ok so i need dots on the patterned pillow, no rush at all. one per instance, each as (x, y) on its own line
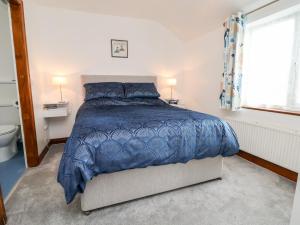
(140, 90)
(104, 90)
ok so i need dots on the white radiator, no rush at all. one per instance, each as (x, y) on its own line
(275, 144)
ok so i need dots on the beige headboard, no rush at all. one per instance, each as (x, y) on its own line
(112, 78)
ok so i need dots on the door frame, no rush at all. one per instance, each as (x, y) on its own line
(3, 218)
(24, 82)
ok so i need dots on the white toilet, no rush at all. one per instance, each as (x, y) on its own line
(8, 141)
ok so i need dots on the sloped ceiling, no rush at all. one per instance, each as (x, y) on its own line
(188, 19)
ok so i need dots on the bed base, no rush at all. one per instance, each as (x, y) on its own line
(110, 189)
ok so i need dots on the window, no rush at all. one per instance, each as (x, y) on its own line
(271, 63)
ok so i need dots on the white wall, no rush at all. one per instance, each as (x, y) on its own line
(74, 43)
(202, 72)
(8, 92)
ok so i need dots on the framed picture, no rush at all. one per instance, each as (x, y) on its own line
(119, 48)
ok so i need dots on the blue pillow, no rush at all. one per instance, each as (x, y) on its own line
(104, 90)
(140, 90)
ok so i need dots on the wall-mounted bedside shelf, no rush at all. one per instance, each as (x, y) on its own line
(54, 110)
(175, 103)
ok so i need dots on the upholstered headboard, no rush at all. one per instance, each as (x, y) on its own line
(112, 78)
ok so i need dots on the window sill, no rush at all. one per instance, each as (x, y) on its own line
(281, 111)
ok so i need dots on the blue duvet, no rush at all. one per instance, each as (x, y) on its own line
(110, 135)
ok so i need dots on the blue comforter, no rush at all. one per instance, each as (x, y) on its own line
(110, 135)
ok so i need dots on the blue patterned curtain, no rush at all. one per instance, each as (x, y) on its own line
(230, 96)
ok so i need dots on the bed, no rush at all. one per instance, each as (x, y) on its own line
(127, 147)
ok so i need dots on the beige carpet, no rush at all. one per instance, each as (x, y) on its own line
(247, 195)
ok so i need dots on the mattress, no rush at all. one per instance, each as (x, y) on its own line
(111, 135)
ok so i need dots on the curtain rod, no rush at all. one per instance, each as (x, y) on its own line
(261, 7)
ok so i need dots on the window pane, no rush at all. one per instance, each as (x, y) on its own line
(268, 61)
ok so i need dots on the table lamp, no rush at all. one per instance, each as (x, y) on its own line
(60, 81)
(172, 83)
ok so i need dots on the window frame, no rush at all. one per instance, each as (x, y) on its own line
(293, 77)
(273, 110)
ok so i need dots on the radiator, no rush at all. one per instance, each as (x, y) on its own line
(273, 143)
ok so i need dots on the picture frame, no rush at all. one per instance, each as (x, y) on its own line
(119, 48)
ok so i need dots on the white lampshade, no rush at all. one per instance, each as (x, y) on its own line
(172, 81)
(59, 80)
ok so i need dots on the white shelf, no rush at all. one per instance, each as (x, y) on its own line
(6, 105)
(9, 104)
(7, 82)
(62, 110)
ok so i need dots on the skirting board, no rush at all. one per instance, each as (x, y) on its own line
(44, 152)
(291, 175)
(58, 141)
(50, 143)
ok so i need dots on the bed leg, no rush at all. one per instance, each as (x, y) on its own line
(86, 213)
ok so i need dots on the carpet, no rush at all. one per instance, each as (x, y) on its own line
(247, 195)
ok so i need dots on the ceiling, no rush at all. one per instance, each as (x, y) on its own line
(188, 19)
